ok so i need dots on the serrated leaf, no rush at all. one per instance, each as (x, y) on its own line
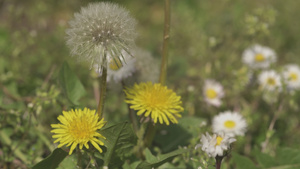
(159, 160)
(52, 161)
(242, 162)
(119, 141)
(71, 85)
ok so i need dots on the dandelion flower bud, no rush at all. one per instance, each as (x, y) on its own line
(101, 29)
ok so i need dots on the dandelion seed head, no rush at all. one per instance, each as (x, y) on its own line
(98, 29)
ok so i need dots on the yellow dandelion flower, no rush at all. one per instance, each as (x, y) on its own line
(78, 127)
(162, 103)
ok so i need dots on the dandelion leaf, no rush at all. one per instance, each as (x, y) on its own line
(155, 161)
(119, 141)
(52, 161)
(71, 85)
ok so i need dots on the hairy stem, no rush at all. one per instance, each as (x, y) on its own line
(150, 133)
(164, 62)
(102, 89)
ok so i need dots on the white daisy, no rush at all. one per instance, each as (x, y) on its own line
(291, 75)
(229, 122)
(213, 92)
(258, 56)
(216, 144)
(269, 80)
(119, 69)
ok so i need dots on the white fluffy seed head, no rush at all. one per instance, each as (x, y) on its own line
(101, 29)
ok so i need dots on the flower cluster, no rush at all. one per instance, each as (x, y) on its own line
(258, 56)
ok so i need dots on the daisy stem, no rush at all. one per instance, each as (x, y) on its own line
(102, 89)
(218, 162)
(164, 62)
(271, 126)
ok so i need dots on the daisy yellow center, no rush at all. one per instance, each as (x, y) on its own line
(259, 57)
(115, 64)
(219, 140)
(229, 124)
(293, 76)
(271, 81)
(211, 93)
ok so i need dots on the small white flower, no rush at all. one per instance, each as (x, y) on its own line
(213, 92)
(216, 144)
(119, 69)
(269, 80)
(258, 56)
(229, 122)
(291, 75)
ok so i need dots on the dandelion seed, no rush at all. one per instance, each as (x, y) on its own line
(101, 29)
(156, 101)
(78, 127)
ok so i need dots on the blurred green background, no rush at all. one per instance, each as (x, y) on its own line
(207, 40)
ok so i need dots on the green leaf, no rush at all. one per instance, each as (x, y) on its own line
(119, 141)
(71, 85)
(178, 134)
(263, 159)
(242, 162)
(153, 162)
(288, 156)
(52, 161)
(68, 162)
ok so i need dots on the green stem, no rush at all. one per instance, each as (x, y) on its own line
(218, 162)
(150, 133)
(79, 158)
(102, 89)
(164, 63)
(132, 115)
